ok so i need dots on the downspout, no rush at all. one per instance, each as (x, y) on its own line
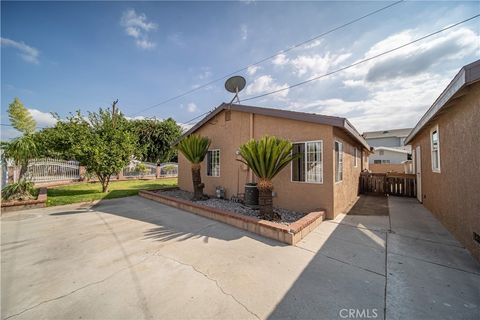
(251, 134)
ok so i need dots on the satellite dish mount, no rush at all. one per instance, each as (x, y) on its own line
(235, 84)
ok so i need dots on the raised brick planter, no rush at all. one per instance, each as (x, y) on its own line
(40, 202)
(289, 234)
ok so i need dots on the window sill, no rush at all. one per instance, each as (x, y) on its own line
(306, 182)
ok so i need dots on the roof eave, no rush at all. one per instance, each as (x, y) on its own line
(467, 75)
(328, 120)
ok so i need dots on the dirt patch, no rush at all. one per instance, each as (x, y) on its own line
(370, 206)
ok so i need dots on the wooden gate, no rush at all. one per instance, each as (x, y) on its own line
(397, 184)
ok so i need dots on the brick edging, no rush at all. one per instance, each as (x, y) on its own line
(289, 234)
(40, 202)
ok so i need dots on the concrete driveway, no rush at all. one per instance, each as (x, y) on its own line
(133, 258)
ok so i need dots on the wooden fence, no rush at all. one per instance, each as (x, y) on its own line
(397, 184)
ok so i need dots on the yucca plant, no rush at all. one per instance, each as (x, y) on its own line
(195, 148)
(266, 158)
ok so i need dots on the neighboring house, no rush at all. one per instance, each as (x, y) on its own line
(326, 177)
(446, 144)
(389, 153)
(384, 159)
(388, 138)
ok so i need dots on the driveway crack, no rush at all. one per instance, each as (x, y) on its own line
(76, 290)
(213, 280)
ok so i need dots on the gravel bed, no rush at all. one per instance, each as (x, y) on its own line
(287, 216)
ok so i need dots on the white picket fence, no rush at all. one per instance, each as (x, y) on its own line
(47, 169)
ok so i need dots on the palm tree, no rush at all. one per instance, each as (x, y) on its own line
(194, 148)
(21, 150)
(266, 158)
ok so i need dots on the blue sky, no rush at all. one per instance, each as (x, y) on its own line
(64, 56)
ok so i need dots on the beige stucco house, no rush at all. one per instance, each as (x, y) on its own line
(446, 155)
(326, 177)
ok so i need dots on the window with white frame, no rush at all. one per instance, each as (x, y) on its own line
(355, 157)
(308, 167)
(213, 163)
(338, 161)
(435, 147)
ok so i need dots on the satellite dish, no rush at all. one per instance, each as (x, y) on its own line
(235, 84)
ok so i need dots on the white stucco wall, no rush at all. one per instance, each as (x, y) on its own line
(394, 157)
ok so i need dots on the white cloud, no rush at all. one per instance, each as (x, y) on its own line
(315, 64)
(394, 104)
(244, 31)
(395, 90)
(264, 84)
(417, 58)
(137, 26)
(313, 44)
(43, 119)
(280, 60)
(252, 70)
(135, 118)
(28, 53)
(145, 44)
(185, 126)
(192, 107)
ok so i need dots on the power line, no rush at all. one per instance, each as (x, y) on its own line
(361, 61)
(10, 125)
(270, 57)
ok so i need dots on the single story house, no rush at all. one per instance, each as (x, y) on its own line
(446, 157)
(326, 177)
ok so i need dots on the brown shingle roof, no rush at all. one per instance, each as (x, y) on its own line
(338, 122)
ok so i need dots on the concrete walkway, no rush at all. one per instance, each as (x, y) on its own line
(133, 258)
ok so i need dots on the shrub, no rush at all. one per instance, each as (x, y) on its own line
(21, 190)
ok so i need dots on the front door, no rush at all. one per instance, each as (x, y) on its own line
(418, 172)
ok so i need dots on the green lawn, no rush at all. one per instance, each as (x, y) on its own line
(82, 192)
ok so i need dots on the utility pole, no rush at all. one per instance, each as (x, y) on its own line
(114, 109)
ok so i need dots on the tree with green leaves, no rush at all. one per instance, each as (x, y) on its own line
(23, 148)
(156, 138)
(58, 141)
(195, 148)
(103, 142)
(20, 118)
(266, 158)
